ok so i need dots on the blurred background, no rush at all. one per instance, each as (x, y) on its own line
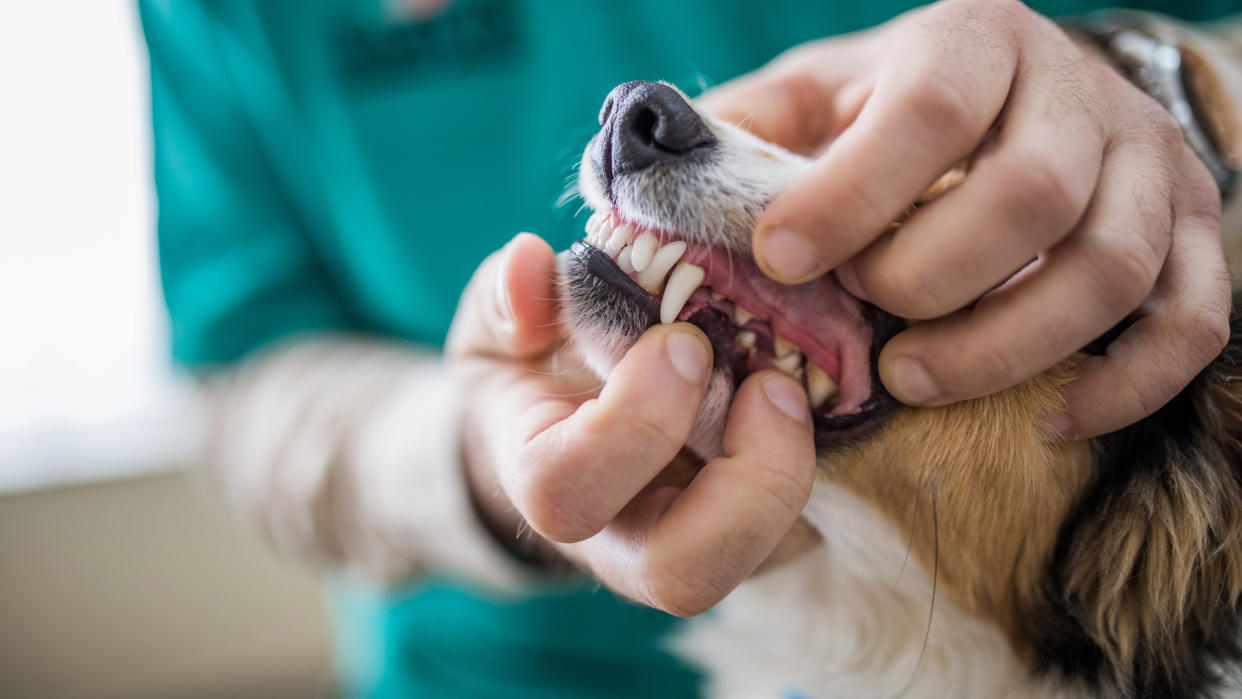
(117, 577)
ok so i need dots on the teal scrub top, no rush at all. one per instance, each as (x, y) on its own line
(325, 164)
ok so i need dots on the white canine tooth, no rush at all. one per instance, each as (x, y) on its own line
(741, 316)
(747, 338)
(784, 347)
(683, 282)
(623, 259)
(644, 248)
(620, 236)
(819, 385)
(788, 363)
(652, 277)
(718, 296)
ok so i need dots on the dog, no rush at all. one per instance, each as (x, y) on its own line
(967, 551)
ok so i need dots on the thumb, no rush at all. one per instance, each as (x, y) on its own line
(509, 308)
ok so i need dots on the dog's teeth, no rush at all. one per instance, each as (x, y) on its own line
(718, 296)
(620, 236)
(819, 385)
(602, 233)
(741, 316)
(644, 248)
(652, 277)
(783, 346)
(623, 259)
(683, 282)
(592, 224)
(788, 363)
(747, 338)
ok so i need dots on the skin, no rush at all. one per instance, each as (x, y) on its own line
(1074, 166)
(1071, 165)
(599, 471)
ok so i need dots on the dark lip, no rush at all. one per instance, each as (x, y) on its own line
(830, 432)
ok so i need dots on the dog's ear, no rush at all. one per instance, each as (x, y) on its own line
(1142, 597)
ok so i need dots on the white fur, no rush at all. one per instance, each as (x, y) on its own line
(849, 620)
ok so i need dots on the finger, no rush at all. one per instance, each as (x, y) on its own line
(734, 513)
(1079, 289)
(510, 305)
(572, 469)
(801, 100)
(1019, 199)
(1182, 328)
(929, 111)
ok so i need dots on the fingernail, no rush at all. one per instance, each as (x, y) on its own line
(913, 384)
(787, 255)
(786, 394)
(503, 309)
(688, 354)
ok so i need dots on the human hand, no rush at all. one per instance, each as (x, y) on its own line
(1071, 166)
(600, 471)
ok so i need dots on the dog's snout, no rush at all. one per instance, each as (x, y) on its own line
(645, 123)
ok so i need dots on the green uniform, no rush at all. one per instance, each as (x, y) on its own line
(320, 165)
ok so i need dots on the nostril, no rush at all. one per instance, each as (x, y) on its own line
(650, 122)
(644, 126)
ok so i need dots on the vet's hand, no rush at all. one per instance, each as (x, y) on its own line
(600, 470)
(1072, 166)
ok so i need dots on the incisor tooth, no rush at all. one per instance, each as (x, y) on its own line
(652, 278)
(784, 347)
(746, 338)
(644, 248)
(788, 363)
(602, 232)
(683, 282)
(741, 316)
(592, 224)
(819, 385)
(620, 236)
(623, 259)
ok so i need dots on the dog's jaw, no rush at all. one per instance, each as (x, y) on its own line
(709, 202)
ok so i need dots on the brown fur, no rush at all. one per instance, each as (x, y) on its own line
(1117, 561)
(999, 488)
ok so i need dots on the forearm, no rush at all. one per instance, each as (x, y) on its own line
(346, 451)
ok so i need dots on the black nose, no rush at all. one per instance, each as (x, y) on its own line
(645, 123)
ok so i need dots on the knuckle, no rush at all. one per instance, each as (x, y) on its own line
(790, 490)
(1200, 196)
(1048, 187)
(1152, 128)
(1165, 131)
(1207, 330)
(549, 505)
(943, 106)
(908, 290)
(652, 430)
(1123, 274)
(992, 10)
(667, 588)
(1000, 366)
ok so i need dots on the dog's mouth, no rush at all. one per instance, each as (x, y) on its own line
(815, 332)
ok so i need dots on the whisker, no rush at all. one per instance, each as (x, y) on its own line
(931, 610)
(914, 520)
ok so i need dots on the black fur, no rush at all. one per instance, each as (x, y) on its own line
(1187, 438)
